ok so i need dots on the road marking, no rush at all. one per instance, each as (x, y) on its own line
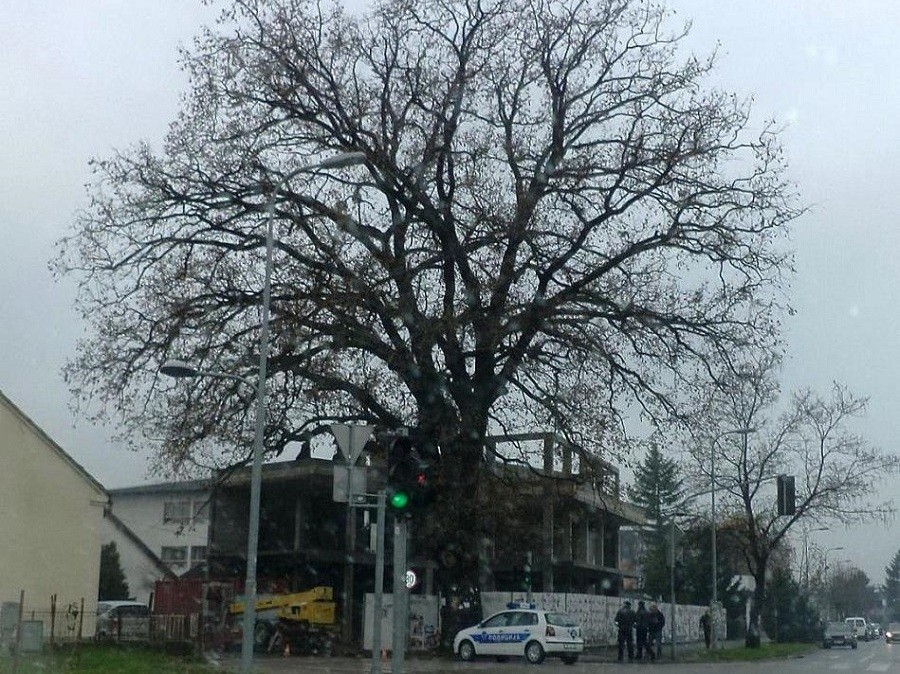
(878, 667)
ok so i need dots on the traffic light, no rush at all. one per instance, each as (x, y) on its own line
(787, 495)
(407, 477)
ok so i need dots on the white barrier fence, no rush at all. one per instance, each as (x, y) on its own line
(596, 614)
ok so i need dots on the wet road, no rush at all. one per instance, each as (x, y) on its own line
(876, 656)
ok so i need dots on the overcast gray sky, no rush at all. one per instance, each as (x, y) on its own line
(81, 78)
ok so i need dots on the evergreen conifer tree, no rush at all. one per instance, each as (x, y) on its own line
(657, 485)
(112, 577)
(892, 587)
(658, 489)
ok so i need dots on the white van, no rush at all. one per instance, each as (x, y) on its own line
(859, 627)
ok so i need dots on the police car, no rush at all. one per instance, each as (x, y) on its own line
(522, 630)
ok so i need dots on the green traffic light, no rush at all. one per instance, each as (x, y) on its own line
(399, 500)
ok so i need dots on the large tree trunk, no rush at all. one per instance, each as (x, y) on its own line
(453, 524)
(757, 601)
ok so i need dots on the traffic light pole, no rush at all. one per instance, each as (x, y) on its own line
(378, 609)
(401, 594)
(672, 586)
(528, 594)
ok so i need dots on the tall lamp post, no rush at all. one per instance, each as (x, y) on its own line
(806, 533)
(825, 555)
(715, 564)
(181, 369)
(825, 572)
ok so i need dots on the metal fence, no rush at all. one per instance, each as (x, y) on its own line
(36, 625)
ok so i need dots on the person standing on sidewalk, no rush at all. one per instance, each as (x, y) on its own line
(640, 627)
(656, 621)
(625, 618)
(706, 626)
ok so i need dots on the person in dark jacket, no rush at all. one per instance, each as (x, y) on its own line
(706, 626)
(640, 628)
(655, 623)
(625, 618)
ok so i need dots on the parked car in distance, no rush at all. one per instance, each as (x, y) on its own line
(892, 633)
(875, 630)
(123, 620)
(860, 627)
(525, 631)
(839, 634)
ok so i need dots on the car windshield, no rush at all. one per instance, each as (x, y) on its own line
(341, 328)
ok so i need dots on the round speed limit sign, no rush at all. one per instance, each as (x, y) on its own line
(411, 579)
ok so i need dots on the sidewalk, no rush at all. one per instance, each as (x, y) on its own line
(610, 653)
(427, 664)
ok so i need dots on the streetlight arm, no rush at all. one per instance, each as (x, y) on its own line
(342, 160)
(179, 369)
(224, 375)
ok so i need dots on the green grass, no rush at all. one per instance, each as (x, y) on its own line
(106, 660)
(770, 651)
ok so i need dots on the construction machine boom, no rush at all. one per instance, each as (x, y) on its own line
(314, 607)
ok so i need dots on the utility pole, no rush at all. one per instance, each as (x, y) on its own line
(349, 598)
(401, 594)
(528, 595)
(672, 584)
(378, 608)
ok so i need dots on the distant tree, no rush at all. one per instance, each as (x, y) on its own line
(850, 592)
(789, 616)
(112, 577)
(892, 586)
(551, 193)
(657, 488)
(696, 570)
(835, 469)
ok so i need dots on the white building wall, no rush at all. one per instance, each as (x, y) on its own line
(141, 571)
(51, 522)
(143, 510)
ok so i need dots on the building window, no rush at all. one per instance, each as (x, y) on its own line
(198, 554)
(177, 511)
(174, 556)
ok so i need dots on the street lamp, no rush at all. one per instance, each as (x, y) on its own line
(806, 533)
(182, 369)
(715, 569)
(825, 556)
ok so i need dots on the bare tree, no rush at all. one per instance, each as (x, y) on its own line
(556, 220)
(812, 439)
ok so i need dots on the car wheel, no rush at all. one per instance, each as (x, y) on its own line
(852, 645)
(534, 652)
(466, 651)
(569, 659)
